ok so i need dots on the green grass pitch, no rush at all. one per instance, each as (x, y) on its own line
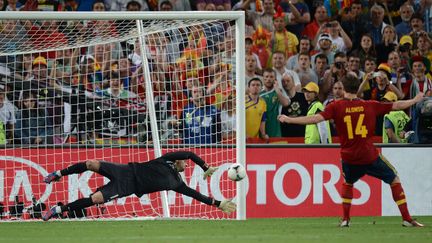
(363, 229)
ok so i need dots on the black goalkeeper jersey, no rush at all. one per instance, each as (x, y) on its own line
(160, 174)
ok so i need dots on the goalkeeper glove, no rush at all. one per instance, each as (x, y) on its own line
(227, 206)
(209, 172)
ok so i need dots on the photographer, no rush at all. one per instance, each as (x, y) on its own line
(337, 71)
(376, 84)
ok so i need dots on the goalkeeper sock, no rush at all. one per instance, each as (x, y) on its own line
(78, 204)
(74, 169)
(347, 195)
(399, 197)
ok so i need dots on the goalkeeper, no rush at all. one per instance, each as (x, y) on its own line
(159, 174)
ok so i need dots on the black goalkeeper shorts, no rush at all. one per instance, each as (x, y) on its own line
(122, 181)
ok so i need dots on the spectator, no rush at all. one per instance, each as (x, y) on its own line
(256, 109)
(417, 26)
(115, 89)
(297, 107)
(320, 18)
(228, 119)
(279, 66)
(394, 122)
(338, 94)
(91, 76)
(298, 15)
(2, 5)
(420, 83)
(405, 49)
(7, 119)
(175, 5)
(70, 5)
(64, 65)
(251, 68)
(406, 12)
(320, 66)
(340, 40)
(221, 87)
(260, 46)
(305, 46)
(354, 65)
(381, 84)
(275, 99)
(337, 71)
(304, 70)
(325, 44)
(283, 40)
(387, 45)
(369, 66)
(376, 25)
(200, 122)
(315, 133)
(251, 50)
(264, 19)
(165, 115)
(166, 6)
(133, 6)
(84, 5)
(399, 74)
(353, 21)
(13, 5)
(366, 49)
(368, 78)
(425, 8)
(201, 4)
(121, 5)
(32, 123)
(424, 44)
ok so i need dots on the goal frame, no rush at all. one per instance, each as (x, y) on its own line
(237, 16)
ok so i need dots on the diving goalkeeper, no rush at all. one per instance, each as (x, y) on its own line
(159, 174)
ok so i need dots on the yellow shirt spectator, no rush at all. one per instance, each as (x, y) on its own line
(255, 114)
(285, 42)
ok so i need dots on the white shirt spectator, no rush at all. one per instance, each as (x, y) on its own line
(7, 113)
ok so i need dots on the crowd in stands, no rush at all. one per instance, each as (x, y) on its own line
(296, 54)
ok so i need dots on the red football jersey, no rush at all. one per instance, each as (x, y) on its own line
(355, 124)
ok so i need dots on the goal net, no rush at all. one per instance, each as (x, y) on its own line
(121, 88)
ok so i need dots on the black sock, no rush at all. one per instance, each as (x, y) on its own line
(74, 169)
(78, 204)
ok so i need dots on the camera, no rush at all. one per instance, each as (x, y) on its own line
(404, 48)
(339, 65)
(376, 74)
(328, 25)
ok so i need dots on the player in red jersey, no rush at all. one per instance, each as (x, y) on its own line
(355, 123)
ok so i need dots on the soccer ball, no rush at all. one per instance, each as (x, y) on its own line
(236, 172)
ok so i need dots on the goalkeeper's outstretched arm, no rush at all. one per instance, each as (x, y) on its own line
(225, 205)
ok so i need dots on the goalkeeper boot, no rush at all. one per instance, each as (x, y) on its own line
(51, 213)
(412, 223)
(51, 177)
(345, 223)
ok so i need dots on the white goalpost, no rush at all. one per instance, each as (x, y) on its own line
(121, 87)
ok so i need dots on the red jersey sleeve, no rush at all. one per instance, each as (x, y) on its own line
(382, 108)
(328, 112)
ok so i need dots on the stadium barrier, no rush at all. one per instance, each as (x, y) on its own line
(292, 181)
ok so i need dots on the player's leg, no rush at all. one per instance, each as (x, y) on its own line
(382, 169)
(77, 168)
(351, 173)
(82, 203)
